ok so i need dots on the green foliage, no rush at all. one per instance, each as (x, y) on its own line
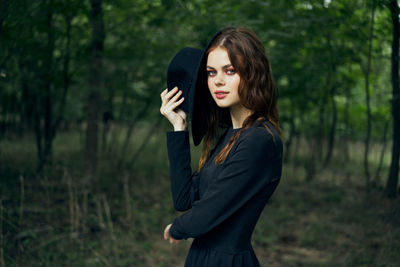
(313, 45)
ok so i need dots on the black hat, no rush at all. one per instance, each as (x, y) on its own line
(187, 70)
(182, 72)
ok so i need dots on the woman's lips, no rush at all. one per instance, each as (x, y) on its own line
(220, 94)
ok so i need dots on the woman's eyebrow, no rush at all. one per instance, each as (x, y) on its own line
(223, 67)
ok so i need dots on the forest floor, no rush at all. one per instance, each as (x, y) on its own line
(329, 221)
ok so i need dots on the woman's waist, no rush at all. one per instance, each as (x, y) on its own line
(223, 244)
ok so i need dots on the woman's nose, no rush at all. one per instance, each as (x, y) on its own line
(219, 80)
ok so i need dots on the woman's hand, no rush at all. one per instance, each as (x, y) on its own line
(176, 116)
(168, 236)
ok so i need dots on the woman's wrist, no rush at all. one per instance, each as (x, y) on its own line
(181, 127)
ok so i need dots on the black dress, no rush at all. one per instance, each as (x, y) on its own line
(223, 201)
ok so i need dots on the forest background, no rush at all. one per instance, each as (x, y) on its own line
(84, 177)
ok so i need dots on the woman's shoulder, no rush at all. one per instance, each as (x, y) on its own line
(261, 135)
(261, 131)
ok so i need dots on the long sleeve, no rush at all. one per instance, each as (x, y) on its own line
(184, 184)
(253, 166)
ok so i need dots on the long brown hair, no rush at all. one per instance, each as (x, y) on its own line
(257, 90)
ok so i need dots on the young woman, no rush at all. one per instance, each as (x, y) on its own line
(226, 195)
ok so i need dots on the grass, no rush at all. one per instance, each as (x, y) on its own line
(328, 221)
(325, 224)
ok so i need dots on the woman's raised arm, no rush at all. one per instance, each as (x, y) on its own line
(184, 184)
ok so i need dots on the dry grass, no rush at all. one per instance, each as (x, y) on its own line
(326, 222)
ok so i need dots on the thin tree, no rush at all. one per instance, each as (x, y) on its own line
(391, 186)
(48, 85)
(95, 87)
(46, 103)
(3, 12)
(367, 72)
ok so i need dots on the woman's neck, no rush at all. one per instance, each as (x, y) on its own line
(238, 114)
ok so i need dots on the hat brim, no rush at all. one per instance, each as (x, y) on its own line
(203, 103)
(182, 73)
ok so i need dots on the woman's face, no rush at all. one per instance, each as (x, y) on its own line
(223, 80)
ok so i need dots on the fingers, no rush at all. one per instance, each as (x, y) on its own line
(164, 92)
(169, 108)
(172, 105)
(168, 237)
(176, 96)
(165, 109)
(165, 95)
(169, 101)
(166, 232)
(174, 102)
(174, 241)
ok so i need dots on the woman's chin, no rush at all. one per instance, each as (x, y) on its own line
(221, 104)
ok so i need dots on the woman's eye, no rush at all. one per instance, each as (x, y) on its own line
(230, 71)
(210, 73)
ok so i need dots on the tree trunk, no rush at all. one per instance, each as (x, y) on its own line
(346, 125)
(311, 163)
(332, 131)
(332, 92)
(3, 12)
(66, 76)
(48, 104)
(107, 118)
(377, 180)
(95, 88)
(391, 186)
(38, 128)
(321, 125)
(292, 131)
(367, 100)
